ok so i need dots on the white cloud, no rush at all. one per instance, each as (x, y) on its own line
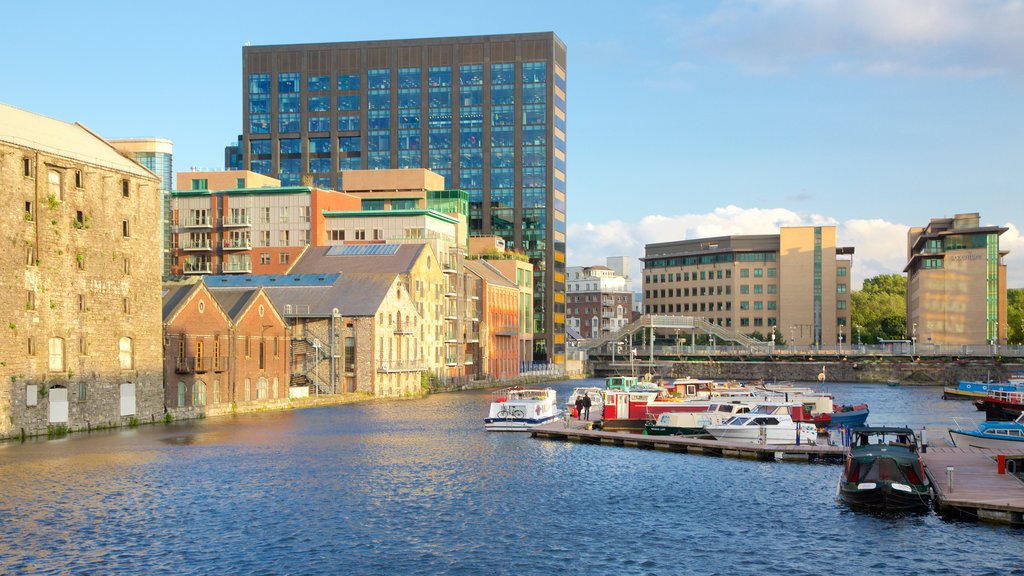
(878, 37)
(880, 246)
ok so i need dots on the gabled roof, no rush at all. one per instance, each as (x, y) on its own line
(234, 301)
(72, 141)
(318, 260)
(174, 296)
(489, 273)
(351, 295)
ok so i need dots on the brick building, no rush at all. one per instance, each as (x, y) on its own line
(79, 280)
(599, 300)
(499, 327)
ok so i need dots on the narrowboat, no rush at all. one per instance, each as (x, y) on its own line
(884, 471)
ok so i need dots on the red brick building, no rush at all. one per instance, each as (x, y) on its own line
(500, 326)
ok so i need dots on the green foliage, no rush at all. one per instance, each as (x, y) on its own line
(493, 254)
(879, 309)
(167, 418)
(52, 201)
(1015, 315)
(56, 430)
(133, 422)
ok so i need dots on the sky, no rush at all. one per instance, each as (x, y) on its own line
(685, 119)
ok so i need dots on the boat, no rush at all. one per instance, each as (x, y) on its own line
(1002, 405)
(884, 471)
(596, 401)
(991, 435)
(514, 409)
(847, 416)
(969, 390)
(693, 423)
(765, 424)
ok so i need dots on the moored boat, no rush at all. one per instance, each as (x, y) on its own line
(1002, 405)
(884, 471)
(765, 424)
(968, 390)
(596, 401)
(848, 416)
(515, 409)
(991, 435)
(691, 423)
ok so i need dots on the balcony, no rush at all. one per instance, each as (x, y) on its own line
(201, 364)
(451, 361)
(451, 338)
(390, 366)
(196, 267)
(237, 244)
(236, 221)
(196, 246)
(196, 222)
(403, 329)
(237, 266)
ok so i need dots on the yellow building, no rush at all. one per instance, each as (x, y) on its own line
(794, 284)
(956, 282)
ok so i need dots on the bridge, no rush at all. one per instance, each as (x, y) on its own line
(649, 326)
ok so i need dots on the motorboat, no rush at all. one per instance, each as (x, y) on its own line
(515, 409)
(765, 424)
(596, 401)
(969, 390)
(884, 471)
(847, 416)
(692, 423)
(1002, 405)
(992, 435)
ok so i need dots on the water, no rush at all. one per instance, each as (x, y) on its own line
(418, 487)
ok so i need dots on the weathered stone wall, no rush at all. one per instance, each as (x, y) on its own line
(73, 276)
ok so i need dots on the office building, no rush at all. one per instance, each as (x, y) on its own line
(956, 283)
(157, 155)
(487, 113)
(79, 279)
(795, 284)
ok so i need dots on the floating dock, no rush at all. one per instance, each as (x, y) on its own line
(577, 432)
(977, 490)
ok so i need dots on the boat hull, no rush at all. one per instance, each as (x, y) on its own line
(516, 424)
(883, 496)
(752, 434)
(849, 418)
(675, 430)
(963, 438)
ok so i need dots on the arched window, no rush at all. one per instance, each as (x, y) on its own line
(261, 389)
(199, 394)
(181, 394)
(126, 353)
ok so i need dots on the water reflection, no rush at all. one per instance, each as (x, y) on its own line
(417, 486)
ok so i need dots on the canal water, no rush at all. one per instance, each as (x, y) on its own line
(418, 487)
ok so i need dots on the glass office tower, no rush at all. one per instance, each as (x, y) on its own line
(156, 154)
(486, 112)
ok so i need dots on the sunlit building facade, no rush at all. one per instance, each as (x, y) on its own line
(156, 154)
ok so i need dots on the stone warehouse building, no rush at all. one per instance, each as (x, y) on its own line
(79, 280)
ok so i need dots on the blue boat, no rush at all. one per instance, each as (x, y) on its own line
(969, 390)
(992, 435)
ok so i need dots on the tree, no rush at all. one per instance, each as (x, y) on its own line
(879, 309)
(1015, 315)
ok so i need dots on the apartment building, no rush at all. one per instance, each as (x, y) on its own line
(599, 300)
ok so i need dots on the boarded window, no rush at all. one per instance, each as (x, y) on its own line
(32, 395)
(126, 353)
(58, 405)
(128, 398)
(56, 354)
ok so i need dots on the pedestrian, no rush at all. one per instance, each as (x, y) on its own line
(579, 406)
(586, 406)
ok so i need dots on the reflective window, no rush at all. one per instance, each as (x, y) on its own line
(260, 166)
(502, 136)
(534, 72)
(502, 116)
(348, 82)
(321, 182)
(534, 156)
(471, 158)
(319, 124)
(534, 93)
(471, 179)
(533, 178)
(501, 198)
(440, 118)
(502, 178)
(440, 97)
(288, 82)
(377, 100)
(471, 116)
(319, 165)
(408, 77)
(378, 120)
(439, 159)
(408, 139)
(471, 96)
(408, 158)
(259, 83)
(348, 123)
(379, 161)
(534, 135)
(378, 140)
(290, 146)
(439, 138)
(348, 144)
(534, 197)
(503, 95)
(320, 146)
(409, 118)
(260, 148)
(318, 83)
(291, 166)
(288, 103)
(319, 104)
(349, 163)
(502, 73)
(439, 76)
(471, 137)
(259, 124)
(409, 98)
(350, 102)
(378, 79)
(533, 114)
(288, 123)
(259, 104)
(471, 75)
(502, 157)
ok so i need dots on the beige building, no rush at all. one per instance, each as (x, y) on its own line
(79, 280)
(795, 284)
(956, 282)
(157, 155)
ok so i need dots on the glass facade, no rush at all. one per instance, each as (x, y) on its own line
(161, 164)
(494, 130)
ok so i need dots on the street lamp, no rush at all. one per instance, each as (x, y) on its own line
(857, 327)
(913, 339)
(792, 335)
(772, 349)
(677, 341)
(840, 338)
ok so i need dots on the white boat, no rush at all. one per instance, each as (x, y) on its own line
(993, 435)
(514, 409)
(596, 401)
(765, 424)
(690, 423)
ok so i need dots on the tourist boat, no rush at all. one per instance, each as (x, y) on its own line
(967, 390)
(765, 424)
(692, 423)
(620, 382)
(515, 408)
(1002, 405)
(596, 401)
(884, 471)
(995, 435)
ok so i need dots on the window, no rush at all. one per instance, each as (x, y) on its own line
(30, 304)
(125, 229)
(841, 288)
(841, 271)
(127, 266)
(360, 234)
(265, 256)
(200, 184)
(745, 273)
(124, 188)
(262, 357)
(284, 258)
(199, 394)
(56, 190)
(378, 234)
(28, 166)
(30, 212)
(840, 304)
(181, 394)
(78, 178)
(82, 392)
(56, 355)
(31, 346)
(127, 305)
(126, 353)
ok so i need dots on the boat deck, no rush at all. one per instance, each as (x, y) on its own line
(576, 431)
(977, 491)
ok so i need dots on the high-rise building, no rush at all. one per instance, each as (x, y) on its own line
(156, 154)
(795, 284)
(486, 112)
(956, 283)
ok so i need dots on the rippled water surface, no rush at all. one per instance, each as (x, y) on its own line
(418, 487)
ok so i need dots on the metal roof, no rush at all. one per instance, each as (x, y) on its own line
(350, 295)
(265, 280)
(363, 250)
(318, 260)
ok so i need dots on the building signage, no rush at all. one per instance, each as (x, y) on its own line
(960, 257)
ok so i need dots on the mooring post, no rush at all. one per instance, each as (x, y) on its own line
(949, 477)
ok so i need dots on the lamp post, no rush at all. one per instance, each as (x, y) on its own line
(913, 339)
(772, 348)
(840, 338)
(677, 341)
(857, 327)
(792, 335)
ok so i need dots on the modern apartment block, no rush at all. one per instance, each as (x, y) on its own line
(156, 154)
(79, 280)
(499, 326)
(599, 299)
(239, 222)
(487, 113)
(795, 284)
(956, 282)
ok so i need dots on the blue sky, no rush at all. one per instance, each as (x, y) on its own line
(686, 119)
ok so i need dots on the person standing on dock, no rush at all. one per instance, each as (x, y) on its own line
(586, 407)
(579, 406)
